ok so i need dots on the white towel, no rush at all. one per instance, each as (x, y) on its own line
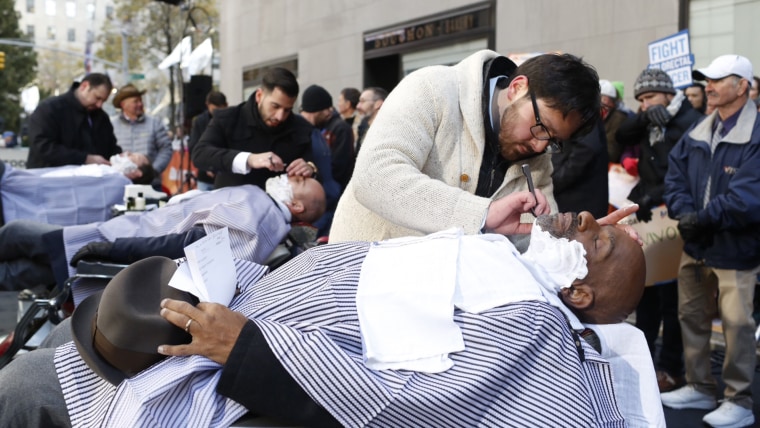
(404, 303)
(490, 274)
(408, 288)
(633, 376)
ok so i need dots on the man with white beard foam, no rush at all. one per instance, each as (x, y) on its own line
(290, 345)
(34, 253)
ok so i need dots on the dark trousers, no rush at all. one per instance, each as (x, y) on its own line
(659, 305)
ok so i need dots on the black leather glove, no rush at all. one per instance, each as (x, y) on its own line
(92, 251)
(658, 115)
(644, 214)
(692, 231)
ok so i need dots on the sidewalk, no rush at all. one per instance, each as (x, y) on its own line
(693, 418)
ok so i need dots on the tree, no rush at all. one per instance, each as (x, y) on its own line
(20, 63)
(57, 70)
(153, 28)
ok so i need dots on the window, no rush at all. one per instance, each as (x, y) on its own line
(109, 12)
(71, 35)
(30, 6)
(71, 9)
(51, 33)
(50, 7)
(90, 10)
(30, 31)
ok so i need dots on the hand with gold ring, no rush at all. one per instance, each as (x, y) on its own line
(215, 328)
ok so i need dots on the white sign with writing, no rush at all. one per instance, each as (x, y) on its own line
(662, 242)
(673, 56)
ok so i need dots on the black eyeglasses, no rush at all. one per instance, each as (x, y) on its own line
(539, 131)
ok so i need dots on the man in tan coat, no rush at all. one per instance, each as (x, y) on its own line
(449, 142)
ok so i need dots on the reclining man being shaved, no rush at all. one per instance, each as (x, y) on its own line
(34, 253)
(314, 341)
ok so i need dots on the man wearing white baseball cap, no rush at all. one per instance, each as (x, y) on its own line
(724, 66)
(711, 189)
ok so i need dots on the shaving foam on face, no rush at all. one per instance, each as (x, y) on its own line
(562, 259)
(279, 188)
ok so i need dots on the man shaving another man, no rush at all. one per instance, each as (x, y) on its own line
(301, 328)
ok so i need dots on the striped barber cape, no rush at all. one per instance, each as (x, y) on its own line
(520, 367)
(256, 226)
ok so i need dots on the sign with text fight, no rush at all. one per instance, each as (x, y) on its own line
(673, 56)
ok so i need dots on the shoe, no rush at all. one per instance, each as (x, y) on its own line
(729, 415)
(687, 397)
(667, 383)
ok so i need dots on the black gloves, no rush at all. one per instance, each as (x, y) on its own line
(692, 231)
(93, 251)
(658, 115)
(644, 214)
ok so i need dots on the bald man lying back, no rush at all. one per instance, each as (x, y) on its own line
(291, 344)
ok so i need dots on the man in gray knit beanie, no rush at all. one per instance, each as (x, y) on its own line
(653, 80)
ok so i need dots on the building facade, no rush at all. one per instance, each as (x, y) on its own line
(68, 26)
(361, 43)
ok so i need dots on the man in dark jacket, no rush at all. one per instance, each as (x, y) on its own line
(260, 138)
(664, 116)
(317, 108)
(214, 100)
(580, 174)
(712, 189)
(73, 129)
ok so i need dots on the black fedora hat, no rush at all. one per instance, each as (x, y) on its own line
(118, 330)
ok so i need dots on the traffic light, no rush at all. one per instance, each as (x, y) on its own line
(2, 60)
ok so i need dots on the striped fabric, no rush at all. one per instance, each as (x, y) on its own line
(256, 225)
(520, 367)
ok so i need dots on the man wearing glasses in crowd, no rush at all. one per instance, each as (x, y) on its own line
(450, 141)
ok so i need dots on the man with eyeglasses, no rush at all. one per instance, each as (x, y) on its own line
(449, 143)
(712, 189)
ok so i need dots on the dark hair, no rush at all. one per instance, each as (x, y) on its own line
(216, 98)
(380, 93)
(148, 174)
(351, 95)
(565, 83)
(282, 78)
(701, 87)
(98, 79)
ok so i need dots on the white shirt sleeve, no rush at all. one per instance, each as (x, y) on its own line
(240, 163)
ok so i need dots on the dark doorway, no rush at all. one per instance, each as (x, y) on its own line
(384, 71)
